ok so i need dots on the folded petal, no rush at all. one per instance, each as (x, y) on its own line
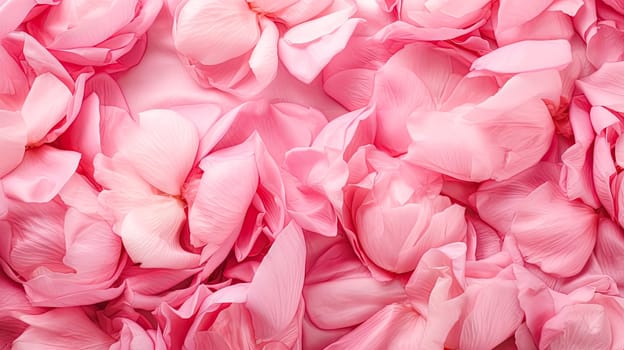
(580, 326)
(512, 13)
(163, 149)
(549, 238)
(215, 31)
(150, 235)
(12, 140)
(41, 175)
(270, 6)
(225, 192)
(46, 104)
(523, 56)
(604, 86)
(394, 327)
(63, 328)
(305, 51)
(281, 126)
(348, 302)
(494, 316)
(275, 292)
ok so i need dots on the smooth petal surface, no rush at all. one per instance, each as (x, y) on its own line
(163, 149)
(233, 30)
(41, 174)
(12, 140)
(222, 198)
(150, 235)
(275, 292)
(523, 57)
(551, 241)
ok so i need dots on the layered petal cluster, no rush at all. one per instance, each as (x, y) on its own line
(247, 39)
(104, 34)
(311, 174)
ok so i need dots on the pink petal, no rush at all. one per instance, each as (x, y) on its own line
(62, 329)
(12, 13)
(281, 126)
(275, 292)
(215, 31)
(301, 10)
(395, 327)
(163, 149)
(512, 13)
(604, 87)
(580, 326)
(271, 6)
(340, 292)
(493, 317)
(12, 140)
(35, 241)
(225, 192)
(522, 57)
(307, 48)
(66, 24)
(550, 240)
(352, 88)
(609, 249)
(150, 235)
(46, 104)
(41, 175)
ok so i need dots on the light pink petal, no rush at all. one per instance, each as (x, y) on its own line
(397, 92)
(348, 132)
(163, 149)
(46, 104)
(12, 140)
(63, 328)
(494, 316)
(312, 184)
(263, 61)
(301, 10)
(225, 192)
(275, 292)
(305, 60)
(512, 13)
(150, 235)
(132, 336)
(577, 178)
(550, 239)
(609, 249)
(581, 326)
(12, 13)
(270, 6)
(66, 24)
(281, 126)
(605, 86)
(35, 241)
(394, 327)
(41, 175)
(523, 56)
(340, 303)
(500, 137)
(605, 45)
(405, 32)
(352, 88)
(215, 31)
(497, 202)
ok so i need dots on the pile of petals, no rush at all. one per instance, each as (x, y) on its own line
(312, 174)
